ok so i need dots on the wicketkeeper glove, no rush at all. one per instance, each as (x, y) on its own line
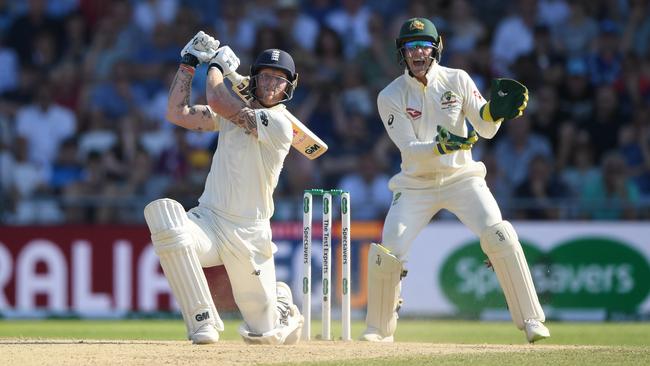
(508, 99)
(447, 142)
(200, 49)
(225, 60)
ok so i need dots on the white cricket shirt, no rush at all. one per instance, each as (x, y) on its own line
(245, 169)
(411, 113)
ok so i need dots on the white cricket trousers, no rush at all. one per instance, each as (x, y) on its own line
(411, 210)
(246, 250)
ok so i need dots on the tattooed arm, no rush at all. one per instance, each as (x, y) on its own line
(227, 105)
(179, 112)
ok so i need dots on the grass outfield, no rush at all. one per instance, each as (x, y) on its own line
(420, 342)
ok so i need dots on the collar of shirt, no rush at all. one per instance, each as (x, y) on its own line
(431, 75)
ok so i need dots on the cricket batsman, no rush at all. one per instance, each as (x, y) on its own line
(230, 226)
(424, 112)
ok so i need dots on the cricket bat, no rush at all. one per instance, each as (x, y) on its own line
(305, 141)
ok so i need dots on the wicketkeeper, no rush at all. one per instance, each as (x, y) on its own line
(230, 226)
(424, 113)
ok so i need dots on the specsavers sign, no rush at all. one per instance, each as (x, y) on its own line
(589, 271)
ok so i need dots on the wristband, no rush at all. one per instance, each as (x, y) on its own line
(214, 64)
(190, 60)
(187, 68)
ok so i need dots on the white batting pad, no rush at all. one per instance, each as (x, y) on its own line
(172, 242)
(384, 278)
(501, 244)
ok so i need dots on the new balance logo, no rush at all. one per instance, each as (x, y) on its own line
(202, 316)
(264, 118)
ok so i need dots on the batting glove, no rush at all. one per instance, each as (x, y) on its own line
(447, 142)
(508, 99)
(225, 60)
(200, 49)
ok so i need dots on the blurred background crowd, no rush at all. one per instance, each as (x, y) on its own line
(83, 93)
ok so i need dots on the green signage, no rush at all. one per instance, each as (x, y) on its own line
(583, 273)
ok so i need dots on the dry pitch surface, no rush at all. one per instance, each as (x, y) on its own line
(95, 352)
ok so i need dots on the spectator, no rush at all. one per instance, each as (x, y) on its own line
(148, 14)
(234, 29)
(581, 168)
(612, 195)
(99, 136)
(497, 181)
(369, 187)
(44, 125)
(7, 15)
(545, 115)
(77, 40)
(513, 36)
(604, 124)
(547, 59)
(576, 97)
(118, 96)
(295, 25)
(553, 12)
(515, 152)
(378, 68)
(542, 193)
(637, 30)
(26, 29)
(465, 30)
(68, 84)
(67, 168)
(574, 36)
(350, 21)
(634, 146)
(319, 9)
(9, 73)
(605, 63)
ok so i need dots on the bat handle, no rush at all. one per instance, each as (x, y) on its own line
(235, 78)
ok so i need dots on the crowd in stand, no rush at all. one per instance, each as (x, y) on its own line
(83, 93)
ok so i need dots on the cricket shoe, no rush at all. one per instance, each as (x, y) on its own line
(290, 316)
(372, 335)
(207, 334)
(535, 330)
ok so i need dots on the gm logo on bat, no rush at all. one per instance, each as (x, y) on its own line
(312, 149)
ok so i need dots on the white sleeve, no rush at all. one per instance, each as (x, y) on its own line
(273, 129)
(400, 130)
(472, 103)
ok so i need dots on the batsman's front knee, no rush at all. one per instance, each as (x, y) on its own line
(167, 222)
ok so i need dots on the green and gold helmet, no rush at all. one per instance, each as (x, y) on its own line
(418, 29)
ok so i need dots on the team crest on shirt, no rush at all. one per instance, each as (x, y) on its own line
(413, 113)
(449, 100)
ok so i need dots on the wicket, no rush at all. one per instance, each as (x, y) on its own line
(326, 275)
